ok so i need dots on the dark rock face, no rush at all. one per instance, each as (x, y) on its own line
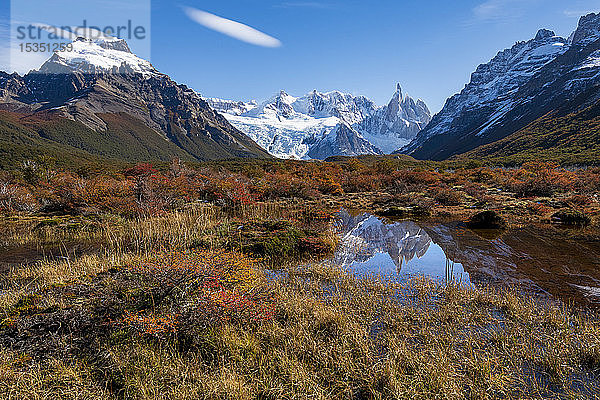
(571, 218)
(517, 87)
(12, 89)
(405, 212)
(173, 111)
(588, 30)
(346, 141)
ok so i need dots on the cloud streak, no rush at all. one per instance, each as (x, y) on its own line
(231, 28)
(577, 14)
(501, 10)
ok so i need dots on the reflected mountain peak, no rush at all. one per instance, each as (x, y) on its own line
(370, 245)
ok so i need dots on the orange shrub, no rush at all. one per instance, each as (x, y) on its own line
(537, 179)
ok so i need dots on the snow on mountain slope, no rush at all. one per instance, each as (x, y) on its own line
(520, 85)
(281, 137)
(136, 111)
(341, 141)
(230, 106)
(396, 124)
(488, 96)
(593, 61)
(319, 125)
(98, 55)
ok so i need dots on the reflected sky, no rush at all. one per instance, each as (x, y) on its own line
(370, 245)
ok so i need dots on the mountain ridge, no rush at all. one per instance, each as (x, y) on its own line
(515, 88)
(103, 77)
(293, 127)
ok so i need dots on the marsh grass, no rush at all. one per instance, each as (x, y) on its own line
(330, 335)
(145, 233)
(335, 336)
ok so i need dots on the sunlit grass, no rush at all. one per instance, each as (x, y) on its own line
(151, 315)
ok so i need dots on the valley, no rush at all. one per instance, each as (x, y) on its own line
(159, 244)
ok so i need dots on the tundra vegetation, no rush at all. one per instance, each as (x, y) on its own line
(205, 281)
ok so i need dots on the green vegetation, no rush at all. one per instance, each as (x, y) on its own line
(72, 145)
(572, 139)
(206, 281)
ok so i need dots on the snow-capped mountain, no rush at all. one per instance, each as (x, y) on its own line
(115, 104)
(90, 56)
(518, 86)
(588, 30)
(342, 140)
(395, 124)
(319, 125)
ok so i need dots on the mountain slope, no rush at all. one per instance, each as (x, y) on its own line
(396, 123)
(517, 87)
(305, 127)
(125, 104)
(567, 139)
(24, 136)
(342, 140)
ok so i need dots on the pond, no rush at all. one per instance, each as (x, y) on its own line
(29, 254)
(539, 259)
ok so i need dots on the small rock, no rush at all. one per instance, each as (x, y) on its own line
(571, 218)
(486, 220)
(405, 212)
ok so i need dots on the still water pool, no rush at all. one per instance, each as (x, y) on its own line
(543, 260)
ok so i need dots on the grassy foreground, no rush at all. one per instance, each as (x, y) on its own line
(180, 306)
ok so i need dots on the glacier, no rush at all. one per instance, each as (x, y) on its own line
(319, 125)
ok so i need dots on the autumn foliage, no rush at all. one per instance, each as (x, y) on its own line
(144, 190)
(194, 290)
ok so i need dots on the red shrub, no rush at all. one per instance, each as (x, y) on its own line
(142, 169)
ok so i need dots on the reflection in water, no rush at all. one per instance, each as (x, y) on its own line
(539, 259)
(368, 245)
(536, 259)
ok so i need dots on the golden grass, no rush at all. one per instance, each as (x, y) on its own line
(350, 339)
(333, 336)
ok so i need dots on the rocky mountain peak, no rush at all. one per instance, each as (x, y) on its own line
(113, 44)
(140, 113)
(319, 125)
(517, 86)
(397, 98)
(544, 34)
(97, 56)
(588, 30)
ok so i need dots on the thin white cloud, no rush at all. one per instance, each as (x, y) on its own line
(577, 14)
(231, 28)
(501, 10)
(487, 10)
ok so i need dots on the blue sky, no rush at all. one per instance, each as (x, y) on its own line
(362, 47)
